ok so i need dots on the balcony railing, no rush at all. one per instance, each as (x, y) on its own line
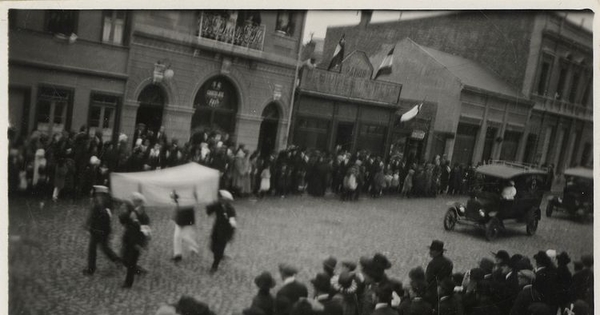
(562, 107)
(220, 29)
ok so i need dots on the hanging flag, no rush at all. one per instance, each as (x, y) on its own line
(338, 54)
(386, 64)
(412, 113)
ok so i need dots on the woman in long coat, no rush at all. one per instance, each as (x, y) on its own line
(238, 171)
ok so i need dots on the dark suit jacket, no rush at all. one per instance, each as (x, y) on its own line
(265, 302)
(438, 269)
(288, 295)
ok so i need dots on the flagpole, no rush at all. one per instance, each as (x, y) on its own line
(293, 100)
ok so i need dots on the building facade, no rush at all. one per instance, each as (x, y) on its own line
(189, 71)
(348, 110)
(541, 54)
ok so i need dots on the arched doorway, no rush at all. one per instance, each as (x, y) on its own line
(268, 129)
(152, 102)
(216, 106)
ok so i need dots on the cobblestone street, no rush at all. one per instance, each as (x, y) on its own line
(48, 248)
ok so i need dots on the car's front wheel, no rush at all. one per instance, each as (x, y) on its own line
(450, 220)
(492, 229)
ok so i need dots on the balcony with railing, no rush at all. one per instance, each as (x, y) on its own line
(561, 107)
(218, 28)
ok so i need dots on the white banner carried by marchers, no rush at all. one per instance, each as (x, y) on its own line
(194, 183)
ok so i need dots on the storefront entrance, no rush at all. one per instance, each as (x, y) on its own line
(216, 106)
(464, 144)
(268, 130)
(344, 135)
(150, 113)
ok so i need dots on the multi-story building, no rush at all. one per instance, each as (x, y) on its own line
(544, 56)
(231, 71)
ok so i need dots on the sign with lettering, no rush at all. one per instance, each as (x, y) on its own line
(418, 134)
(357, 65)
(333, 83)
(214, 94)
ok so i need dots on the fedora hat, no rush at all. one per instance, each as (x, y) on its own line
(264, 280)
(330, 262)
(437, 245)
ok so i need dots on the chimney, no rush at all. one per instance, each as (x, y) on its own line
(365, 17)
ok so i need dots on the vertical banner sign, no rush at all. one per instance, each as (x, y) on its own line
(214, 94)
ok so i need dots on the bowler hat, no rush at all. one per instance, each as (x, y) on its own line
(417, 274)
(502, 255)
(321, 282)
(563, 258)
(330, 262)
(437, 245)
(264, 280)
(542, 259)
(287, 269)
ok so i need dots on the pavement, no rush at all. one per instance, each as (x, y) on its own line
(48, 248)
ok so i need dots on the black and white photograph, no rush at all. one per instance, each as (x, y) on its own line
(286, 161)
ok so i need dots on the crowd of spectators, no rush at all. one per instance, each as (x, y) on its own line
(70, 163)
(500, 284)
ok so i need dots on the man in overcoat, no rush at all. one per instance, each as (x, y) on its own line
(290, 292)
(438, 269)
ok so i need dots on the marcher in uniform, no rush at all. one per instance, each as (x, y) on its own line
(98, 225)
(136, 235)
(224, 226)
(184, 229)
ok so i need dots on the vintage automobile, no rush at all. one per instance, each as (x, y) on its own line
(578, 195)
(492, 205)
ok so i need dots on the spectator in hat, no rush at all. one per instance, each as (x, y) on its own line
(468, 289)
(528, 294)
(506, 287)
(184, 234)
(509, 192)
(329, 266)
(438, 269)
(345, 288)
(582, 287)
(223, 228)
(99, 227)
(416, 304)
(135, 238)
(264, 300)
(564, 279)
(383, 297)
(373, 270)
(448, 303)
(291, 291)
(546, 280)
(323, 295)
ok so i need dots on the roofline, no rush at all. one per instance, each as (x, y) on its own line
(522, 99)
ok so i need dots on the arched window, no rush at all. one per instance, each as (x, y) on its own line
(216, 106)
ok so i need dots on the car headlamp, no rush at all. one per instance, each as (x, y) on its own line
(461, 209)
(481, 213)
(559, 200)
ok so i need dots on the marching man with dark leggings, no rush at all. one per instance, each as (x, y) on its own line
(224, 226)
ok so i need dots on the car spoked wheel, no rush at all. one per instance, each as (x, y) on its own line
(492, 229)
(450, 220)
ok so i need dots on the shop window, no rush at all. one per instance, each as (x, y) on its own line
(371, 138)
(51, 110)
(285, 22)
(61, 21)
(311, 133)
(102, 115)
(113, 29)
